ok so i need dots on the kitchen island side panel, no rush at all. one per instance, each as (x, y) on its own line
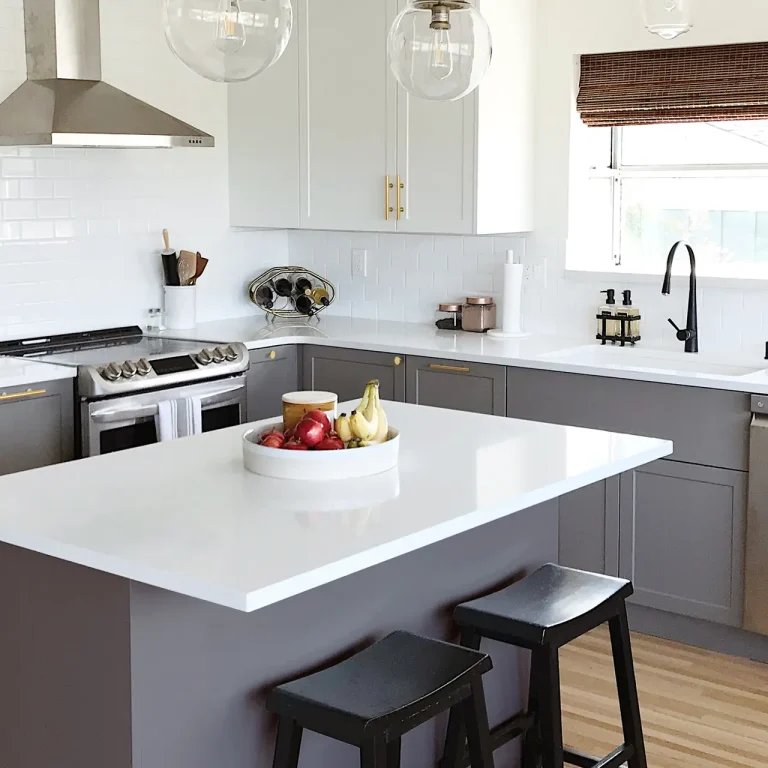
(201, 672)
(65, 680)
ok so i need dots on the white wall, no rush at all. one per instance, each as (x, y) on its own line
(80, 229)
(731, 319)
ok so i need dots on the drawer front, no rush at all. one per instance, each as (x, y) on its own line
(460, 386)
(707, 426)
(347, 371)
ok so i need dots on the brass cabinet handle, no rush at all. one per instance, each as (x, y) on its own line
(398, 361)
(388, 185)
(272, 355)
(19, 395)
(452, 368)
(400, 188)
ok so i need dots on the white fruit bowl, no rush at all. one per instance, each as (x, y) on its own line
(318, 465)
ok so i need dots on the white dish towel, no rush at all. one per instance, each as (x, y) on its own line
(179, 418)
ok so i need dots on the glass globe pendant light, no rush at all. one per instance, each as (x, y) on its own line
(668, 18)
(440, 49)
(228, 40)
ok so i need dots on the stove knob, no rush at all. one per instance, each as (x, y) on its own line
(218, 355)
(112, 372)
(129, 369)
(205, 357)
(144, 367)
(230, 354)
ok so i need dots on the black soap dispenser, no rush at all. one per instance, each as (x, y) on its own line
(607, 310)
(631, 329)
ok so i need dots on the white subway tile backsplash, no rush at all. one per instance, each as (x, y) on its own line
(19, 209)
(17, 168)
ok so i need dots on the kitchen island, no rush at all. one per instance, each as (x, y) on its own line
(150, 598)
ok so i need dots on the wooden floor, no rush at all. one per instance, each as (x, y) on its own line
(700, 709)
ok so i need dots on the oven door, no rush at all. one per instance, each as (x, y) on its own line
(129, 422)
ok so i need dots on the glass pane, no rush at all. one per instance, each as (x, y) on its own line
(696, 144)
(590, 238)
(724, 218)
(596, 144)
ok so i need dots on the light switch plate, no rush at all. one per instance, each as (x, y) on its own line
(359, 262)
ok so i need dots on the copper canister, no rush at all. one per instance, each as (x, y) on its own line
(479, 314)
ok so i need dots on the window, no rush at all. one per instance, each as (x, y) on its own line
(638, 189)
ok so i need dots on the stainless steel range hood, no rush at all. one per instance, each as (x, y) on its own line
(65, 103)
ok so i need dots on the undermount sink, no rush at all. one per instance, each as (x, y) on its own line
(649, 360)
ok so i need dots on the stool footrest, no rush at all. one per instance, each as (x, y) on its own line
(619, 756)
(510, 729)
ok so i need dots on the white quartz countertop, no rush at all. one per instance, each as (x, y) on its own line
(543, 352)
(187, 517)
(21, 373)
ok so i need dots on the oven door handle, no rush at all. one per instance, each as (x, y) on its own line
(109, 415)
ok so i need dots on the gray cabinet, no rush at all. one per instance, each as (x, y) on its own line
(471, 387)
(589, 528)
(708, 426)
(36, 425)
(682, 539)
(347, 371)
(273, 372)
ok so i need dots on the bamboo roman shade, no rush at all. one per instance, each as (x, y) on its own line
(677, 85)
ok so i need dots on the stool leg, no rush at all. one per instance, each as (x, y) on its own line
(393, 754)
(455, 739)
(288, 743)
(475, 718)
(627, 687)
(373, 753)
(549, 712)
(531, 749)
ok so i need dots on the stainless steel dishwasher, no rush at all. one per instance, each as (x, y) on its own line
(756, 576)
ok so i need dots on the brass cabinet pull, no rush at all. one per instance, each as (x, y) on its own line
(272, 355)
(388, 185)
(398, 361)
(452, 368)
(19, 395)
(400, 188)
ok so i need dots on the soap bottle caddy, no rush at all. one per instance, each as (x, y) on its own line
(618, 325)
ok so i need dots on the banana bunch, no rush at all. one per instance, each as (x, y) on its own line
(368, 423)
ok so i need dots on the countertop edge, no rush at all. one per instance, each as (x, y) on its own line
(248, 602)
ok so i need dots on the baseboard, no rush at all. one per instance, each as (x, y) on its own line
(702, 634)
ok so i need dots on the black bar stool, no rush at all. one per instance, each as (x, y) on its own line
(544, 611)
(373, 698)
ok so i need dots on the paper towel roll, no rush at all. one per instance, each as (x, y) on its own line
(512, 302)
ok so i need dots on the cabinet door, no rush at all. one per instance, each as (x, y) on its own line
(273, 372)
(682, 539)
(435, 160)
(347, 100)
(347, 371)
(36, 426)
(470, 387)
(589, 528)
(263, 120)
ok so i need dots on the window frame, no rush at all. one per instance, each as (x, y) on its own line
(617, 172)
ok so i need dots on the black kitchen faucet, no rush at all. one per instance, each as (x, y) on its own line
(689, 334)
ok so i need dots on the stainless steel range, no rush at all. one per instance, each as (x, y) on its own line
(123, 375)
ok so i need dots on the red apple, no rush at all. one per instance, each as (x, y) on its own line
(272, 442)
(290, 434)
(310, 431)
(330, 443)
(322, 417)
(273, 436)
(295, 445)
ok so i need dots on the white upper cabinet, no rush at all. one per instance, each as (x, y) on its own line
(327, 139)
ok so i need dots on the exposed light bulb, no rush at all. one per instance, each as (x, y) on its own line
(441, 61)
(230, 30)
